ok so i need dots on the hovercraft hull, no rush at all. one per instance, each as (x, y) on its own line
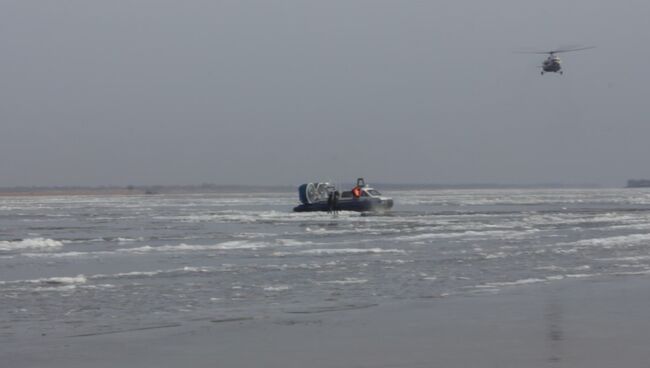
(358, 205)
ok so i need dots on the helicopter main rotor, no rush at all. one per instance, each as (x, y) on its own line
(558, 51)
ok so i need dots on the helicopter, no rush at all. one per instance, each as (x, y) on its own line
(552, 64)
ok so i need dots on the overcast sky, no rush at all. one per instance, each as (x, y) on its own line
(285, 92)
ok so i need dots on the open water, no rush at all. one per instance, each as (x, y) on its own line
(74, 265)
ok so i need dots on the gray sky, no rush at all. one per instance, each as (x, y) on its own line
(285, 92)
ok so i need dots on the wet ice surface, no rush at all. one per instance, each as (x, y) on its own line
(77, 265)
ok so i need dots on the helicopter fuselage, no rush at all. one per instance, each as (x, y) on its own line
(552, 64)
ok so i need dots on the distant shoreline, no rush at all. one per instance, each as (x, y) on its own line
(212, 188)
(4, 192)
(137, 190)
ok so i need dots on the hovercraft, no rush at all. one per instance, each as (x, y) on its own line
(325, 197)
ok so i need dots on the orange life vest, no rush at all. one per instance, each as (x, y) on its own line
(356, 192)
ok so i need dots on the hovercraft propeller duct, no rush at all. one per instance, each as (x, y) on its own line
(314, 192)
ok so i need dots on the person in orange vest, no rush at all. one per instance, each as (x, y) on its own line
(356, 192)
